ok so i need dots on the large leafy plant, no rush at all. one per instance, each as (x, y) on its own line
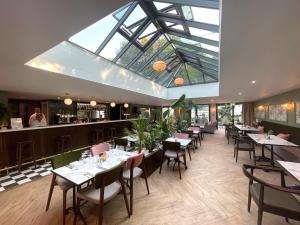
(152, 137)
(139, 128)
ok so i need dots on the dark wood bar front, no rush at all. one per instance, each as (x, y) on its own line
(46, 139)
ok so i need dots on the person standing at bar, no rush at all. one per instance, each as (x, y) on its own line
(37, 119)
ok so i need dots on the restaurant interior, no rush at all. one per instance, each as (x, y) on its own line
(151, 112)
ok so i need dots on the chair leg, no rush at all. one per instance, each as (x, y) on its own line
(184, 160)
(237, 155)
(254, 157)
(50, 191)
(145, 177)
(249, 200)
(125, 196)
(287, 219)
(131, 195)
(188, 148)
(64, 206)
(77, 209)
(179, 169)
(260, 214)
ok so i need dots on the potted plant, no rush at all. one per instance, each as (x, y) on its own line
(152, 138)
(4, 116)
(139, 128)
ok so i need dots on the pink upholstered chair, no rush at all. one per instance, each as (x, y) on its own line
(183, 136)
(260, 129)
(284, 136)
(100, 148)
(133, 171)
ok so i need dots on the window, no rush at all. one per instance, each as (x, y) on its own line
(201, 114)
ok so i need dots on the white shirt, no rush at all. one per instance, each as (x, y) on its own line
(33, 122)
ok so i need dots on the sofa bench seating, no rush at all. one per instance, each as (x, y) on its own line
(285, 153)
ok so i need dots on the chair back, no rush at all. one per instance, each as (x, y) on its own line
(121, 142)
(194, 128)
(171, 146)
(65, 159)
(134, 161)
(100, 148)
(189, 132)
(181, 135)
(107, 177)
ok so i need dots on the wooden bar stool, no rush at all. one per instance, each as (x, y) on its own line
(64, 143)
(25, 152)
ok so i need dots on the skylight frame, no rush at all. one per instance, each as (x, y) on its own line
(205, 60)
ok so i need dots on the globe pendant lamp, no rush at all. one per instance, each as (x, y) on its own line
(159, 66)
(179, 81)
(112, 104)
(93, 103)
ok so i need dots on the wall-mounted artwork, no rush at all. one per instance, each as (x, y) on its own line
(260, 112)
(278, 113)
(297, 112)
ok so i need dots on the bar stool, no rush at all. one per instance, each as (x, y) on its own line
(97, 136)
(64, 143)
(24, 147)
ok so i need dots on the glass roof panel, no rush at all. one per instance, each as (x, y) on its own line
(147, 34)
(128, 56)
(203, 15)
(136, 15)
(114, 46)
(91, 37)
(149, 52)
(204, 34)
(181, 74)
(120, 13)
(196, 76)
(161, 5)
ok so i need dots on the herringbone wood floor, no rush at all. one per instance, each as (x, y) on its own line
(213, 191)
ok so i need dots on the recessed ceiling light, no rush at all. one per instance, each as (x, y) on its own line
(58, 98)
(240, 93)
(211, 100)
(253, 81)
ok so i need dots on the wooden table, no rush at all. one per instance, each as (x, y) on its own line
(292, 168)
(246, 129)
(183, 142)
(273, 140)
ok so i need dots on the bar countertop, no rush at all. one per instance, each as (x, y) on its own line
(63, 125)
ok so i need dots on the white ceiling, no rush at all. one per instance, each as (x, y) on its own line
(259, 41)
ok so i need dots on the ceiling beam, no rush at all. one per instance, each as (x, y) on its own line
(203, 3)
(194, 38)
(179, 20)
(196, 48)
(116, 27)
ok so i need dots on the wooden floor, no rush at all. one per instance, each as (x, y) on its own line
(213, 191)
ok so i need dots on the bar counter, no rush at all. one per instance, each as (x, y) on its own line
(46, 138)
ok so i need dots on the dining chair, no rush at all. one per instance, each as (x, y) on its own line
(133, 171)
(171, 150)
(196, 136)
(107, 184)
(271, 198)
(243, 143)
(57, 162)
(184, 136)
(193, 144)
(123, 142)
(99, 148)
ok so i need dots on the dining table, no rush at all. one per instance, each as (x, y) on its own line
(246, 129)
(292, 168)
(269, 140)
(183, 142)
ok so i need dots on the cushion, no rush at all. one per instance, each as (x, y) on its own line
(93, 195)
(172, 154)
(136, 173)
(284, 136)
(63, 183)
(276, 198)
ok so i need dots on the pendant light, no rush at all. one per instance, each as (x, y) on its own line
(68, 100)
(112, 104)
(159, 66)
(179, 81)
(126, 105)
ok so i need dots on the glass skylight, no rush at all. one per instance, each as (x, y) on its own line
(142, 32)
